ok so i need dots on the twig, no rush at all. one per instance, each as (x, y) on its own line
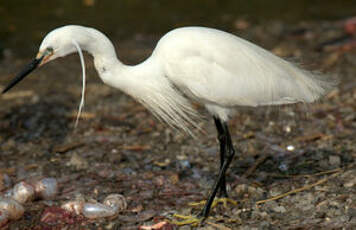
(67, 147)
(15, 95)
(300, 189)
(307, 175)
(259, 161)
(218, 226)
(324, 172)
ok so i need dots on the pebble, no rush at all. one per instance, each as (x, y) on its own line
(184, 164)
(185, 227)
(116, 201)
(97, 210)
(280, 209)
(23, 192)
(283, 167)
(111, 206)
(14, 209)
(4, 217)
(75, 206)
(324, 164)
(244, 190)
(275, 191)
(206, 228)
(271, 205)
(46, 188)
(334, 160)
(78, 162)
(5, 181)
(351, 183)
(307, 207)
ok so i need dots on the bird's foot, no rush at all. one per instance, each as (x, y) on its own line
(222, 200)
(193, 221)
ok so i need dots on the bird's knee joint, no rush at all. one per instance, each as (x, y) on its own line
(230, 152)
(222, 137)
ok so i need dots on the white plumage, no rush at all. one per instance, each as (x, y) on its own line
(215, 68)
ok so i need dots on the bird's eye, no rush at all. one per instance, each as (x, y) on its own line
(49, 50)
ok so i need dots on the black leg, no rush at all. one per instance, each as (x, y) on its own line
(228, 156)
(222, 142)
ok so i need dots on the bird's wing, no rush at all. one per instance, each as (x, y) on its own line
(223, 69)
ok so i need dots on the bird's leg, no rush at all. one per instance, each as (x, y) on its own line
(228, 156)
(222, 142)
(222, 187)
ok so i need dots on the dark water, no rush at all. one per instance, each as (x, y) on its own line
(24, 22)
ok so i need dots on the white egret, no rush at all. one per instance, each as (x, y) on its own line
(217, 69)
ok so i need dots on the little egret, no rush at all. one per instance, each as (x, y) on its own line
(219, 70)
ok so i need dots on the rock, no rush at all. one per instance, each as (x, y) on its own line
(334, 160)
(4, 217)
(23, 192)
(5, 181)
(351, 183)
(208, 227)
(280, 209)
(185, 227)
(74, 206)
(248, 191)
(116, 201)
(271, 205)
(97, 210)
(46, 188)
(78, 162)
(275, 191)
(14, 209)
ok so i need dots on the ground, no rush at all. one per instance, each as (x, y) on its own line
(119, 147)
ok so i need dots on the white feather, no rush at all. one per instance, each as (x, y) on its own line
(215, 68)
(82, 62)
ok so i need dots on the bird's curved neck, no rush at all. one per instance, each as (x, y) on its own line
(100, 47)
(113, 72)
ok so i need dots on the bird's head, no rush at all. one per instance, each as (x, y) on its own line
(57, 43)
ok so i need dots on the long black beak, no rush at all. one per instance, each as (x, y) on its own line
(26, 71)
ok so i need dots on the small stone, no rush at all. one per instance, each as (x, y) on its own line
(287, 129)
(116, 201)
(74, 206)
(271, 205)
(290, 148)
(23, 192)
(97, 210)
(78, 162)
(14, 209)
(206, 228)
(4, 217)
(334, 160)
(275, 191)
(307, 207)
(351, 183)
(280, 209)
(185, 227)
(324, 163)
(110, 225)
(283, 167)
(264, 214)
(46, 188)
(184, 164)
(241, 189)
(5, 181)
